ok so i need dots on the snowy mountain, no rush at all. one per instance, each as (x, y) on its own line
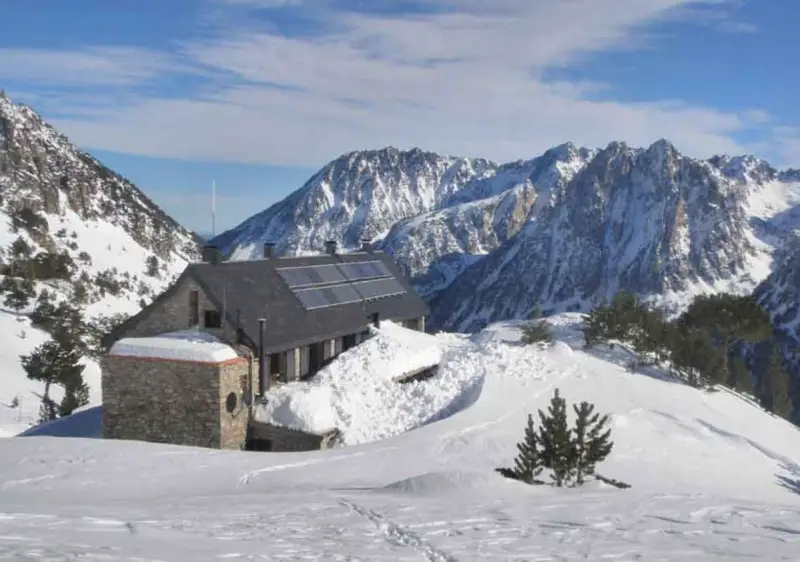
(566, 228)
(649, 221)
(91, 236)
(780, 294)
(359, 195)
(713, 476)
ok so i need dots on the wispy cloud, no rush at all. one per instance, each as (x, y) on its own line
(461, 76)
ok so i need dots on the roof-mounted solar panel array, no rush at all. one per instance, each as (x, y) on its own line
(320, 286)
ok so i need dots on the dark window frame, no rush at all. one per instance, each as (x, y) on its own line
(212, 318)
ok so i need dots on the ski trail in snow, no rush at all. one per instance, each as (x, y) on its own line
(253, 474)
(397, 535)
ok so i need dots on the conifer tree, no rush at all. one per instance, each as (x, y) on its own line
(555, 441)
(591, 443)
(694, 356)
(528, 465)
(57, 363)
(536, 330)
(740, 376)
(774, 395)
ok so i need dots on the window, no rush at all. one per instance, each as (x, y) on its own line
(212, 319)
(194, 311)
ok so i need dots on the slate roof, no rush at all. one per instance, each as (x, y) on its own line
(248, 290)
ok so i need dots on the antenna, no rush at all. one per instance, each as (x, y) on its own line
(213, 207)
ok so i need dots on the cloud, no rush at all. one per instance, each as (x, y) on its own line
(453, 77)
(101, 65)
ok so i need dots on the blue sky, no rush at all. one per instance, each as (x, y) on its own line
(258, 94)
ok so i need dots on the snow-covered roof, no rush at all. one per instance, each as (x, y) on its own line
(184, 345)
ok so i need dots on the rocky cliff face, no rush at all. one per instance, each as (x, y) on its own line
(359, 195)
(650, 221)
(60, 200)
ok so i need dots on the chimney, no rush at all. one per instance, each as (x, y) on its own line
(211, 254)
(269, 250)
(263, 382)
(366, 245)
(376, 320)
(330, 247)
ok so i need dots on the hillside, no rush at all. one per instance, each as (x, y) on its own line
(713, 477)
(78, 230)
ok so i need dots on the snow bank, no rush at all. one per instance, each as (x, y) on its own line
(356, 393)
(184, 345)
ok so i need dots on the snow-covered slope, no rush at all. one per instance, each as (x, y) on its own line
(649, 221)
(713, 477)
(121, 247)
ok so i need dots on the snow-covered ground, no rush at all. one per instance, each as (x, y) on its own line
(713, 477)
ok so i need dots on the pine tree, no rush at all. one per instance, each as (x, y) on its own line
(528, 465)
(591, 442)
(694, 356)
(556, 451)
(774, 395)
(740, 375)
(57, 363)
(18, 294)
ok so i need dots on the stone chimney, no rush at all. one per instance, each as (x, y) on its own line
(366, 245)
(330, 247)
(376, 320)
(269, 250)
(211, 254)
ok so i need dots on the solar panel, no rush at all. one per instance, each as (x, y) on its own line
(295, 276)
(311, 275)
(343, 294)
(364, 270)
(328, 273)
(377, 288)
(312, 298)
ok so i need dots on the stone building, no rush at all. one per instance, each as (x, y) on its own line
(280, 319)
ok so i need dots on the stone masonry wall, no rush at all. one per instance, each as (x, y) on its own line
(233, 378)
(172, 314)
(168, 401)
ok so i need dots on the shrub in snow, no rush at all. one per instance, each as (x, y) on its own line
(570, 454)
(537, 330)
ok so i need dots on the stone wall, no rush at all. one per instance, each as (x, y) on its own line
(284, 439)
(178, 402)
(234, 378)
(173, 314)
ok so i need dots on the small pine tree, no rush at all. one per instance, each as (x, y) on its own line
(56, 363)
(536, 331)
(555, 441)
(18, 294)
(528, 465)
(591, 442)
